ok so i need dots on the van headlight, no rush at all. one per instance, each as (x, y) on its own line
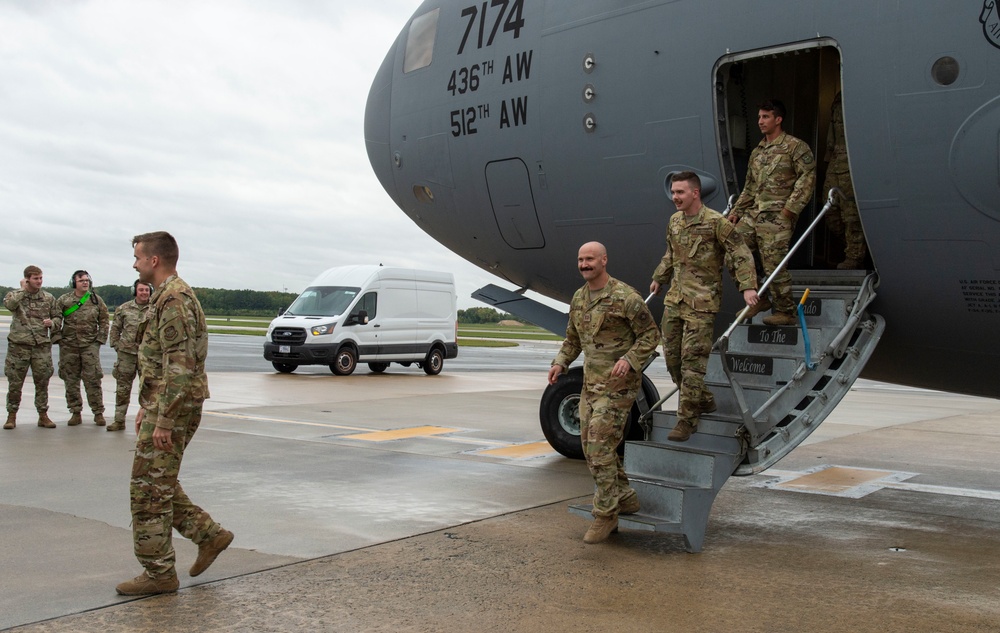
(320, 330)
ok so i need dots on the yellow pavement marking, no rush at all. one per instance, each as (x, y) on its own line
(834, 480)
(400, 434)
(520, 451)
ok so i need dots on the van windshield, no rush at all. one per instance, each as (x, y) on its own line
(323, 301)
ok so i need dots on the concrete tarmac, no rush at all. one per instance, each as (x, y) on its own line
(402, 502)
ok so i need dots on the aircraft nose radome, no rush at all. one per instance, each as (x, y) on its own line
(378, 116)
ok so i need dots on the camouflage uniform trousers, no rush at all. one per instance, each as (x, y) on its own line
(845, 220)
(19, 359)
(158, 502)
(687, 343)
(603, 416)
(126, 368)
(82, 363)
(769, 233)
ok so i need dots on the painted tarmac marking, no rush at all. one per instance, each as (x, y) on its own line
(401, 434)
(241, 416)
(519, 451)
(855, 483)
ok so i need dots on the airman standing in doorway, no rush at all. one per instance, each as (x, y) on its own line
(847, 221)
(780, 182)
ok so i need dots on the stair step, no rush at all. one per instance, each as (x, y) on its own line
(637, 521)
(712, 435)
(786, 342)
(725, 400)
(679, 464)
(756, 370)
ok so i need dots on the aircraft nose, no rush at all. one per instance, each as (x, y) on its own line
(378, 116)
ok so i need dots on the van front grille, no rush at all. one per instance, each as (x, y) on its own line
(288, 336)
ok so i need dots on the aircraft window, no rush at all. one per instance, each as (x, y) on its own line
(423, 194)
(323, 301)
(945, 71)
(420, 41)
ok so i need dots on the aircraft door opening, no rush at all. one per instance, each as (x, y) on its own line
(806, 77)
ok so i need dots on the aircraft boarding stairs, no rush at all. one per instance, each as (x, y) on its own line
(768, 401)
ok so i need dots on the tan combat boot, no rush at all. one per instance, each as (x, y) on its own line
(600, 530)
(780, 318)
(210, 550)
(143, 585)
(116, 426)
(44, 421)
(75, 419)
(682, 431)
(99, 419)
(11, 421)
(763, 305)
(630, 505)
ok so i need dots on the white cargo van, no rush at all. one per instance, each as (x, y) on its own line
(370, 314)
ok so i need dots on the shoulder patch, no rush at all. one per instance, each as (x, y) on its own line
(170, 333)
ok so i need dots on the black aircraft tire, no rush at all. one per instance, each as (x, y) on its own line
(559, 414)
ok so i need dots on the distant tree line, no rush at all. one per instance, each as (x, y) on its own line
(217, 301)
(485, 315)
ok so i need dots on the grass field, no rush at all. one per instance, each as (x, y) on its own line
(469, 334)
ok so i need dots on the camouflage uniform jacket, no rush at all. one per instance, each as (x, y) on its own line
(87, 325)
(125, 327)
(696, 250)
(607, 325)
(28, 310)
(836, 142)
(172, 351)
(781, 175)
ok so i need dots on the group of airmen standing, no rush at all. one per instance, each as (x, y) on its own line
(611, 325)
(79, 323)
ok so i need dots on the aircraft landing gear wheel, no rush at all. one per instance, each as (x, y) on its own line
(434, 362)
(559, 413)
(284, 368)
(345, 362)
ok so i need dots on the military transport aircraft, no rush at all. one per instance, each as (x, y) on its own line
(513, 131)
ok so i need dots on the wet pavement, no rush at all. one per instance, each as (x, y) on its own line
(888, 519)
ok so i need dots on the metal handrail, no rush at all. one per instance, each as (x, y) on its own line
(722, 344)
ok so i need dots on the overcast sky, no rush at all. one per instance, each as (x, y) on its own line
(237, 126)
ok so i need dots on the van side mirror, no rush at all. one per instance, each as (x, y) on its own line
(281, 311)
(362, 317)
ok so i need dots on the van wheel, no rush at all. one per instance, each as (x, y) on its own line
(284, 368)
(345, 362)
(377, 368)
(434, 362)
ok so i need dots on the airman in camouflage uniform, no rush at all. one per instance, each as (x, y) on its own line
(698, 240)
(780, 182)
(172, 352)
(611, 325)
(838, 174)
(125, 340)
(34, 316)
(84, 330)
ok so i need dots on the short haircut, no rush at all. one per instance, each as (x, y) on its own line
(32, 270)
(689, 176)
(773, 105)
(160, 244)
